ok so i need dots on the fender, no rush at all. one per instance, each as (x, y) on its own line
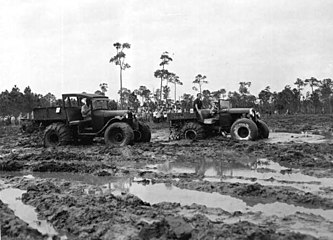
(113, 120)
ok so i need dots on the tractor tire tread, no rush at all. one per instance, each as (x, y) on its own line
(197, 127)
(63, 132)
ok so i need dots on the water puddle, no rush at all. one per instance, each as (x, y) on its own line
(156, 193)
(275, 137)
(27, 213)
(262, 171)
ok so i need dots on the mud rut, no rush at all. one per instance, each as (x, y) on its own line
(280, 188)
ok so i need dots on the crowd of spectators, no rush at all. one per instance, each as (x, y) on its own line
(161, 112)
(11, 120)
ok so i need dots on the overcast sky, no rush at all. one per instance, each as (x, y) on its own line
(63, 46)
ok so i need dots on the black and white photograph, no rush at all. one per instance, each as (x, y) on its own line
(150, 119)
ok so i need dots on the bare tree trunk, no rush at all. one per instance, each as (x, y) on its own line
(161, 91)
(121, 89)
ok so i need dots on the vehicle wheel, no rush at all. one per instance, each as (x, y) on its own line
(244, 129)
(119, 133)
(263, 129)
(57, 134)
(144, 133)
(192, 130)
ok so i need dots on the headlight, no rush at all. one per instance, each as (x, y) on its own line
(128, 115)
(258, 115)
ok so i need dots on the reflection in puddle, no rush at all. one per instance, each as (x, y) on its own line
(262, 171)
(157, 193)
(12, 197)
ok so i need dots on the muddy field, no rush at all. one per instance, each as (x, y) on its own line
(279, 188)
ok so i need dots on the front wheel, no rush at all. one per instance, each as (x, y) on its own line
(119, 133)
(244, 129)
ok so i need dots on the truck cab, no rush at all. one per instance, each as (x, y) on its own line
(65, 124)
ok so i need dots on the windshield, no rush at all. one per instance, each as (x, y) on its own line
(100, 103)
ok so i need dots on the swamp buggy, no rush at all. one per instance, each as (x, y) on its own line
(65, 124)
(240, 123)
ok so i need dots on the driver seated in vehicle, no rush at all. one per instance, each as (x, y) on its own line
(86, 109)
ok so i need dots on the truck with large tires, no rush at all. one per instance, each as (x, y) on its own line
(240, 123)
(65, 124)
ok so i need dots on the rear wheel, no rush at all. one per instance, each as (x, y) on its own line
(192, 130)
(119, 133)
(244, 129)
(263, 129)
(57, 134)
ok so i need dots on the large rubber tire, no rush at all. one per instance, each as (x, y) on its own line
(119, 134)
(192, 130)
(57, 134)
(244, 129)
(144, 133)
(263, 129)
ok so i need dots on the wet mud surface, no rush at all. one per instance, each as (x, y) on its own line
(279, 188)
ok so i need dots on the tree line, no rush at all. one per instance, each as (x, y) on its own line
(289, 100)
(15, 102)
